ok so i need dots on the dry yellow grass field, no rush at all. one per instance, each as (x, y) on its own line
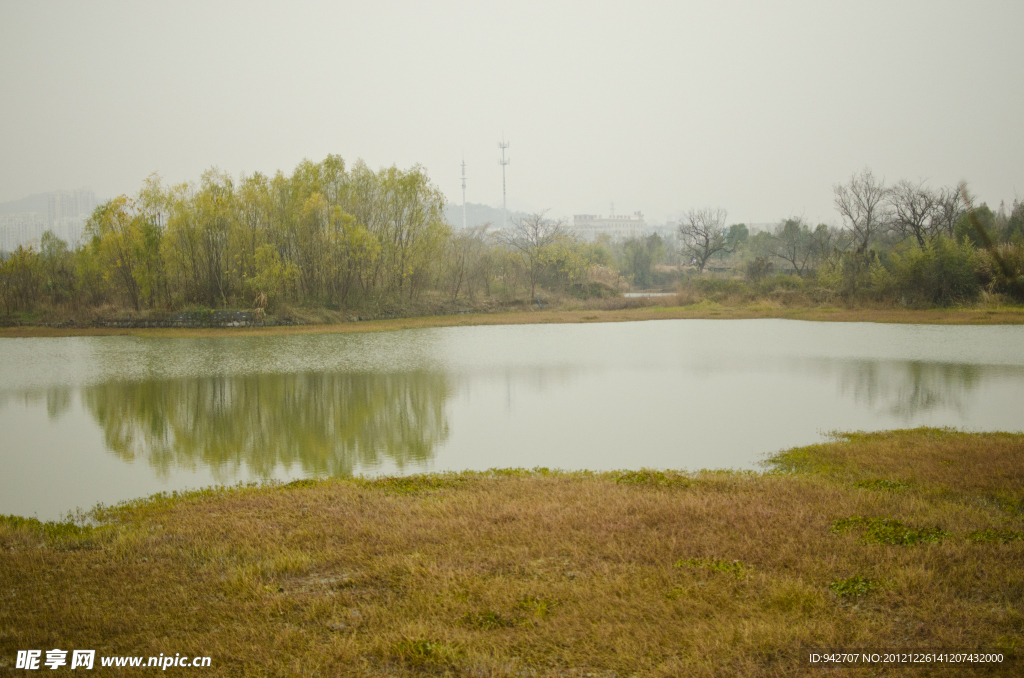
(905, 539)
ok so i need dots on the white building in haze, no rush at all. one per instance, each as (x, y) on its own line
(619, 227)
(66, 214)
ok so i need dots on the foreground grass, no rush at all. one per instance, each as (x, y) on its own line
(1009, 315)
(906, 539)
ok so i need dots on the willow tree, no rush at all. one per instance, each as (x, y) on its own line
(116, 228)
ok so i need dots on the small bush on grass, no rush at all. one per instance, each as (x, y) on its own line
(852, 587)
(889, 531)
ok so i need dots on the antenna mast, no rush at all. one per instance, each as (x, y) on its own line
(504, 208)
(463, 193)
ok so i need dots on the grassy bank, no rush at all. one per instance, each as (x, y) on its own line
(1005, 315)
(907, 539)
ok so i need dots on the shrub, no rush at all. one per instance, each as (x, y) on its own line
(719, 287)
(1007, 278)
(780, 281)
(758, 269)
(941, 273)
(592, 290)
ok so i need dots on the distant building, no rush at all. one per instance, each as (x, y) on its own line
(63, 205)
(66, 214)
(618, 227)
(20, 229)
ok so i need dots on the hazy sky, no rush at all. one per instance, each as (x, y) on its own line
(660, 106)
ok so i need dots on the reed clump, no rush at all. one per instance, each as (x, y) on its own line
(543, 573)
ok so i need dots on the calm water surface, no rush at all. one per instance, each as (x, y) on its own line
(104, 419)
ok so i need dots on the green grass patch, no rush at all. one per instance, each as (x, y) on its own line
(880, 484)
(62, 535)
(651, 477)
(992, 536)
(889, 531)
(415, 484)
(852, 587)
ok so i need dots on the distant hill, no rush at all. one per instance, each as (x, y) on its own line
(477, 215)
(34, 203)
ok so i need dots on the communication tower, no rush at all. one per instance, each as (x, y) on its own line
(504, 207)
(463, 193)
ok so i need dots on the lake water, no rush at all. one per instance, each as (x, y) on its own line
(104, 419)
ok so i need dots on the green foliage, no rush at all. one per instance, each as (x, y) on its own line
(940, 273)
(57, 268)
(718, 287)
(592, 290)
(888, 531)
(880, 484)
(736, 235)
(638, 257)
(119, 241)
(271, 276)
(414, 484)
(326, 235)
(62, 535)
(651, 477)
(852, 587)
(20, 280)
(991, 536)
(758, 269)
(966, 227)
(1001, 270)
(1014, 232)
(780, 281)
(793, 243)
(335, 236)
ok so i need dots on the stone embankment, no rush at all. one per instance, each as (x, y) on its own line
(185, 319)
(193, 319)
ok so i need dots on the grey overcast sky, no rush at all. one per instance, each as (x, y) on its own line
(757, 107)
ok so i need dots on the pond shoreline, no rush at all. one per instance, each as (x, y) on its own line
(893, 540)
(704, 310)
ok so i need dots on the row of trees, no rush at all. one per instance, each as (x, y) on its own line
(353, 238)
(904, 240)
(326, 236)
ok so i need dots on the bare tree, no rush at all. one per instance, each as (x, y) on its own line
(951, 204)
(793, 242)
(703, 234)
(915, 212)
(863, 206)
(529, 237)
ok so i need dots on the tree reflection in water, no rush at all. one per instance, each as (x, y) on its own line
(907, 388)
(328, 423)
